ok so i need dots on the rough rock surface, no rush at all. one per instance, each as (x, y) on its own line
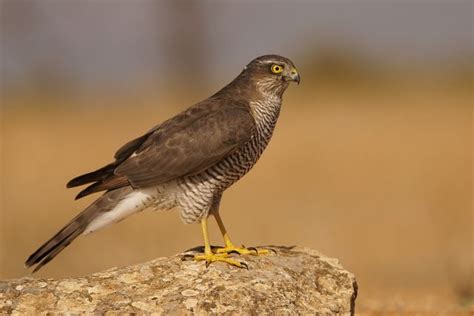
(295, 280)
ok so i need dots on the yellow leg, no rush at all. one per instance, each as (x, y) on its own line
(205, 235)
(210, 257)
(230, 247)
(225, 235)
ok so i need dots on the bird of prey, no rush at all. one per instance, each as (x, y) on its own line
(186, 162)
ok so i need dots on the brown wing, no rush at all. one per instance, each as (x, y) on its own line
(105, 172)
(177, 149)
(186, 144)
(104, 178)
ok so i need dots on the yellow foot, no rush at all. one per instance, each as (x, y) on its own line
(215, 257)
(242, 250)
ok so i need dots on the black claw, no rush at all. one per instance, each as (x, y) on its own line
(196, 249)
(234, 251)
(274, 251)
(254, 249)
(187, 257)
(207, 264)
(244, 265)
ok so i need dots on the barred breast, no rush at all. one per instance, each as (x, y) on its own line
(198, 191)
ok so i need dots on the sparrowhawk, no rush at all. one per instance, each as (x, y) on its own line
(186, 162)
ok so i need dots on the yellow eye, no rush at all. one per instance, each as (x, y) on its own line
(276, 69)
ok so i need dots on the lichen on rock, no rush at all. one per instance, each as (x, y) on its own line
(294, 280)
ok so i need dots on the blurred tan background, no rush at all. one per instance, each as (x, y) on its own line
(371, 161)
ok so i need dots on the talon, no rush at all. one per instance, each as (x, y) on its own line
(195, 249)
(273, 250)
(244, 265)
(229, 249)
(254, 249)
(207, 264)
(187, 257)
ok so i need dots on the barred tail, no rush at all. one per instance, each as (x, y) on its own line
(76, 227)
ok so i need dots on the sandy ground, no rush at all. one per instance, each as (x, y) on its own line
(382, 181)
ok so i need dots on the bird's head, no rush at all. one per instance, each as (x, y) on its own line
(272, 73)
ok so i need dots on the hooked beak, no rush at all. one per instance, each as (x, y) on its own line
(294, 76)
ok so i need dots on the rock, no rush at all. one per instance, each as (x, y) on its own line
(295, 280)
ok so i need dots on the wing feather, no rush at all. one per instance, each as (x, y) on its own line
(183, 145)
(177, 150)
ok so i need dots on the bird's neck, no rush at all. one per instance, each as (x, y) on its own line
(265, 97)
(266, 110)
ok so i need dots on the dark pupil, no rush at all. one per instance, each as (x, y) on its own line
(277, 68)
